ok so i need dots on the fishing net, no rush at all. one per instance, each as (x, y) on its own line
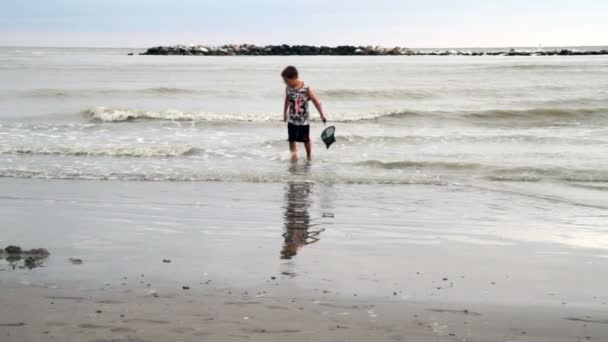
(328, 136)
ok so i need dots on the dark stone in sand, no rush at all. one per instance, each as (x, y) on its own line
(36, 252)
(186, 287)
(273, 278)
(12, 258)
(76, 261)
(464, 312)
(31, 258)
(166, 261)
(20, 324)
(98, 311)
(587, 320)
(31, 262)
(131, 54)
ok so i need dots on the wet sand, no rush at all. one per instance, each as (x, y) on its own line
(112, 314)
(299, 261)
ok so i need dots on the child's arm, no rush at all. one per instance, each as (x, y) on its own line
(317, 104)
(285, 108)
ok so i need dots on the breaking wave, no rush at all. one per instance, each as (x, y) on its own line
(120, 115)
(519, 117)
(115, 151)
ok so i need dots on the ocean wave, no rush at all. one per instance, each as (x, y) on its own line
(596, 180)
(495, 173)
(538, 115)
(115, 151)
(119, 115)
(376, 93)
(516, 116)
(49, 93)
(590, 186)
(534, 174)
(168, 90)
(407, 164)
(211, 177)
(543, 113)
(542, 67)
(474, 138)
(75, 93)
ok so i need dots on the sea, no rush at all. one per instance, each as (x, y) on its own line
(119, 152)
(100, 114)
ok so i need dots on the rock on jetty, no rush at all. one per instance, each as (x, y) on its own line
(346, 50)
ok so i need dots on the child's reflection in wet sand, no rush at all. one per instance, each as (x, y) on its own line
(297, 221)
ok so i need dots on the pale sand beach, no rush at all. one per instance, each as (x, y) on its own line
(214, 314)
(464, 199)
(221, 261)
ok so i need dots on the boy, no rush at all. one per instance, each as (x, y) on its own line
(296, 113)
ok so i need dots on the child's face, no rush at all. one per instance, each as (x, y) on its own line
(291, 82)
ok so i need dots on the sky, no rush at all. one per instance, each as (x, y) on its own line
(405, 23)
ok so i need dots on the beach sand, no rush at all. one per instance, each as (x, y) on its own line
(211, 314)
(170, 261)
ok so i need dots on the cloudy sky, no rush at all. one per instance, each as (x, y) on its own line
(410, 23)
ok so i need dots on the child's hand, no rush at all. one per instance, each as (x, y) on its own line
(324, 119)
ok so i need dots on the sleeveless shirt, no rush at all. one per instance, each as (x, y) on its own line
(298, 105)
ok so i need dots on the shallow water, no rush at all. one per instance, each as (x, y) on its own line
(367, 240)
(437, 159)
(99, 114)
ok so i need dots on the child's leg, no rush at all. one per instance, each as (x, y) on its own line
(294, 150)
(308, 147)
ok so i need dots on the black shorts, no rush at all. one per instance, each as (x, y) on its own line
(298, 133)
